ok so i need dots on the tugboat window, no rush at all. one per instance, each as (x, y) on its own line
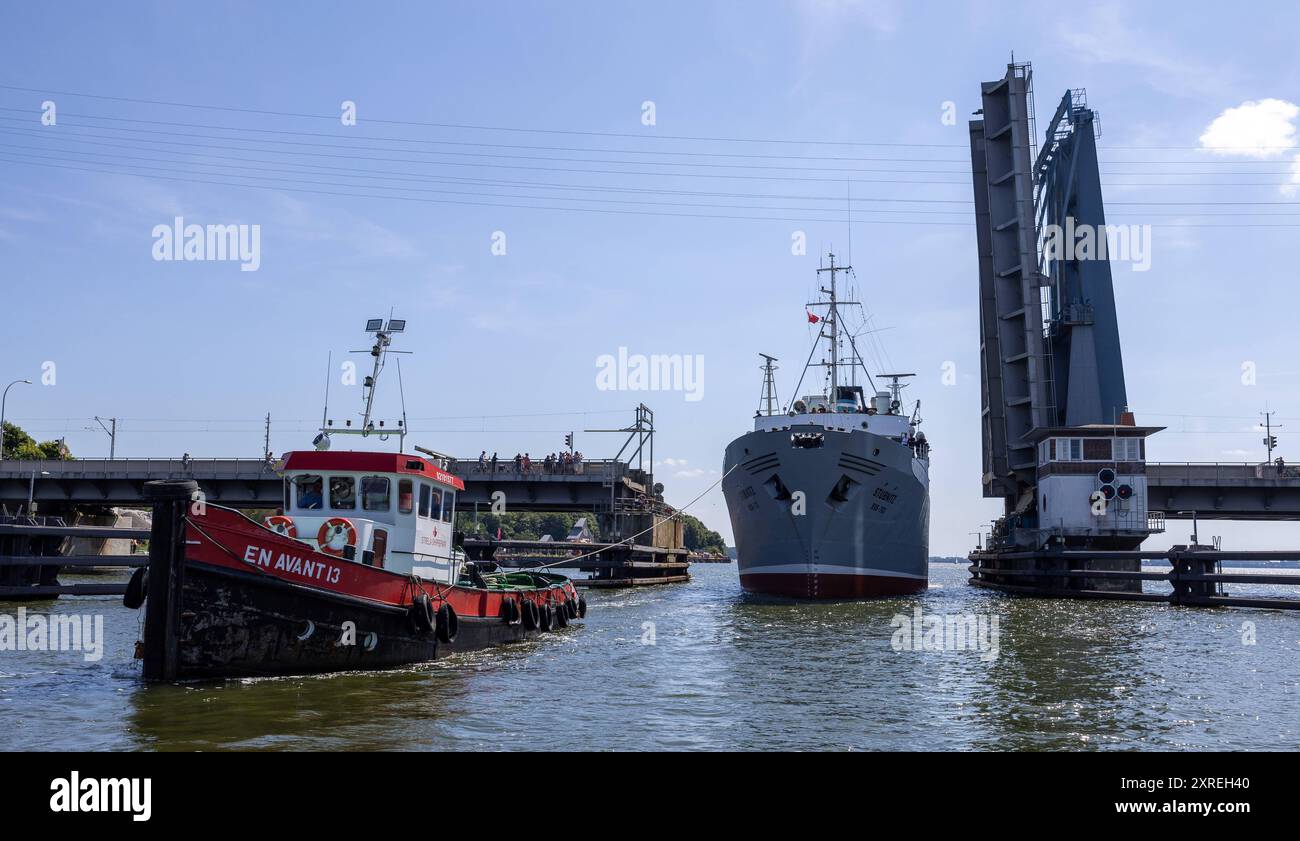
(435, 507)
(374, 493)
(448, 505)
(309, 492)
(343, 493)
(426, 493)
(405, 496)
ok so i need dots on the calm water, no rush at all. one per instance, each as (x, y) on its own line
(726, 672)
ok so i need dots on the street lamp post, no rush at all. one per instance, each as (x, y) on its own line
(3, 399)
(31, 491)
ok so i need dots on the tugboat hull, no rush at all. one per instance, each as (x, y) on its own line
(234, 624)
(253, 603)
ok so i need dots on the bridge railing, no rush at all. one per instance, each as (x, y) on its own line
(136, 468)
(1219, 473)
(596, 469)
(254, 468)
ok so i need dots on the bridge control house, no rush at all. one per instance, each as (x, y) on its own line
(1092, 484)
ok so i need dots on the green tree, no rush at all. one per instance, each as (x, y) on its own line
(524, 525)
(700, 538)
(19, 445)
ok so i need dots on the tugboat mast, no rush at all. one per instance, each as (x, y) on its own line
(379, 351)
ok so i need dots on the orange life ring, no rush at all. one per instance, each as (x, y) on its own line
(281, 525)
(331, 529)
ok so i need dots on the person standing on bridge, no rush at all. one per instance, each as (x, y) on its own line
(519, 463)
(528, 463)
(482, 461)
(494, 463)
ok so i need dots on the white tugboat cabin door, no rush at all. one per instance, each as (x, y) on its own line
(432, 555)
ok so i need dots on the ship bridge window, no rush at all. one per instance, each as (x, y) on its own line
(448, 505)
(374, 493)
(426, 494)
(343, 493)
(309, 491)
(405, 496)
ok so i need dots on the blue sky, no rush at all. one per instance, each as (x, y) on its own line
(192, 354)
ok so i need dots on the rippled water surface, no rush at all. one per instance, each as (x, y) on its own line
(725, 671)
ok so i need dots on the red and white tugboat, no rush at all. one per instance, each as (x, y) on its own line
(360, 570)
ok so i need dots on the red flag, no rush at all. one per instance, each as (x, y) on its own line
(812, 319)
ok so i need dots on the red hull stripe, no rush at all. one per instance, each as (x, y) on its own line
(224, 538)
(823, 586)
(370, 463)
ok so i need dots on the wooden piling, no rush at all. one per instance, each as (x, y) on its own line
(170, 498)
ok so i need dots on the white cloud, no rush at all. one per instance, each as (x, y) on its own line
(1258, 129)
(692, 473)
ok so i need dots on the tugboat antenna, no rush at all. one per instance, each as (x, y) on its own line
(329, 374)
(380, 350)
(401, 390)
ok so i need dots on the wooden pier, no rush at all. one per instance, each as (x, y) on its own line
(1195, 577)
(652, 553)
(30, 559)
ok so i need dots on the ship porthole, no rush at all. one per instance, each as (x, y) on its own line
(307, 631)
(371, 641)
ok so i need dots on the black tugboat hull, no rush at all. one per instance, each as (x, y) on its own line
(233, 624)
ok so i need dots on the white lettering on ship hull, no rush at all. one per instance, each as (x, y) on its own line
(265, 558)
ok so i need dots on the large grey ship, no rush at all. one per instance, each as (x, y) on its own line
(829, 496)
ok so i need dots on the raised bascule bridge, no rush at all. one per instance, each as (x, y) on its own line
(639, 538)
(1061, 447)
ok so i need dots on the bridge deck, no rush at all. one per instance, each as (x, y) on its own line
(1223, 491)
(254, 483)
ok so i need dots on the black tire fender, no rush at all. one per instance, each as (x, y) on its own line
(422, 613)
(448, 623)
(137, 588)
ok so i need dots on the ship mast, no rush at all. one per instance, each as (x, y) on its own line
(832, 318)
(769, 382)
(379, 351)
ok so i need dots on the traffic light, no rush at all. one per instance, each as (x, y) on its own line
(568, 441)
(1272, 442)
